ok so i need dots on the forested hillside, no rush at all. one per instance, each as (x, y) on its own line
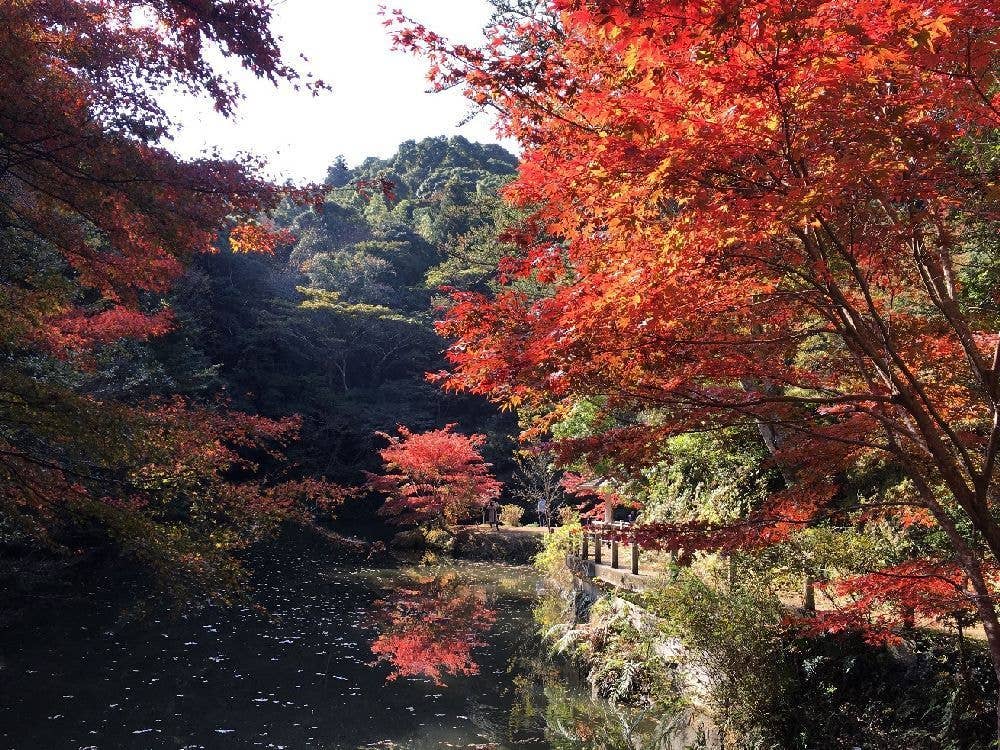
(338, 326)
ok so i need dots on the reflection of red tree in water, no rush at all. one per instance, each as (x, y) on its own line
(429, 627)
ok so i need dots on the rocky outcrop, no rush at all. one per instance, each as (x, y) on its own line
(622, 638)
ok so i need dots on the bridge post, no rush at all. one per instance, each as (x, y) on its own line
(635, 557)
(586, 553)
(597, 547)
(614, 552)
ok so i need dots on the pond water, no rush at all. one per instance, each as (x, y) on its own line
(344, 656)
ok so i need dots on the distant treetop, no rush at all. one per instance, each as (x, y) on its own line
(421, 168)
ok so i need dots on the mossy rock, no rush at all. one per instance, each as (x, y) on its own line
(519, 549)
(440, 540)
(409, 539)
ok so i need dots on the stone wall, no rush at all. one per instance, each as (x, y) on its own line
(688, 677)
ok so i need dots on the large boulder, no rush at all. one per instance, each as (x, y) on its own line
(501, 546)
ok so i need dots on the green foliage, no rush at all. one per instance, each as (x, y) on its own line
(472, 238)
(710, 477)
(439, 539)
(624, 666)
(771, 690)
(422, 169)
(733, 634)
(825, 553)
(551, 561)
(555, 612)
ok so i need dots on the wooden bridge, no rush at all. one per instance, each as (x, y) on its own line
(605, 552)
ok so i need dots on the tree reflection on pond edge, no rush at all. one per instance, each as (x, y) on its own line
(79, 674)
(434, 622)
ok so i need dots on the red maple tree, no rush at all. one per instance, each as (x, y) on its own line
(769, 212)
(85, 171)
(97, 221)
(437, 475)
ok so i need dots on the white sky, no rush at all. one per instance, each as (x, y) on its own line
(378, 98)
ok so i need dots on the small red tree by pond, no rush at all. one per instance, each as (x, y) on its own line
(437, 475)
(430, 626)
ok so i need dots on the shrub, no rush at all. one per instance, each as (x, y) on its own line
(551, 561)
(733, 632)
(568, 515)
(440, 540)
(511, 515)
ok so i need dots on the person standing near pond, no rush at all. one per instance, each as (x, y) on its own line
(543, 512)
(493, 514)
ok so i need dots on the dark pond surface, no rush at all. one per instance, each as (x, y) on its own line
(347, 656)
